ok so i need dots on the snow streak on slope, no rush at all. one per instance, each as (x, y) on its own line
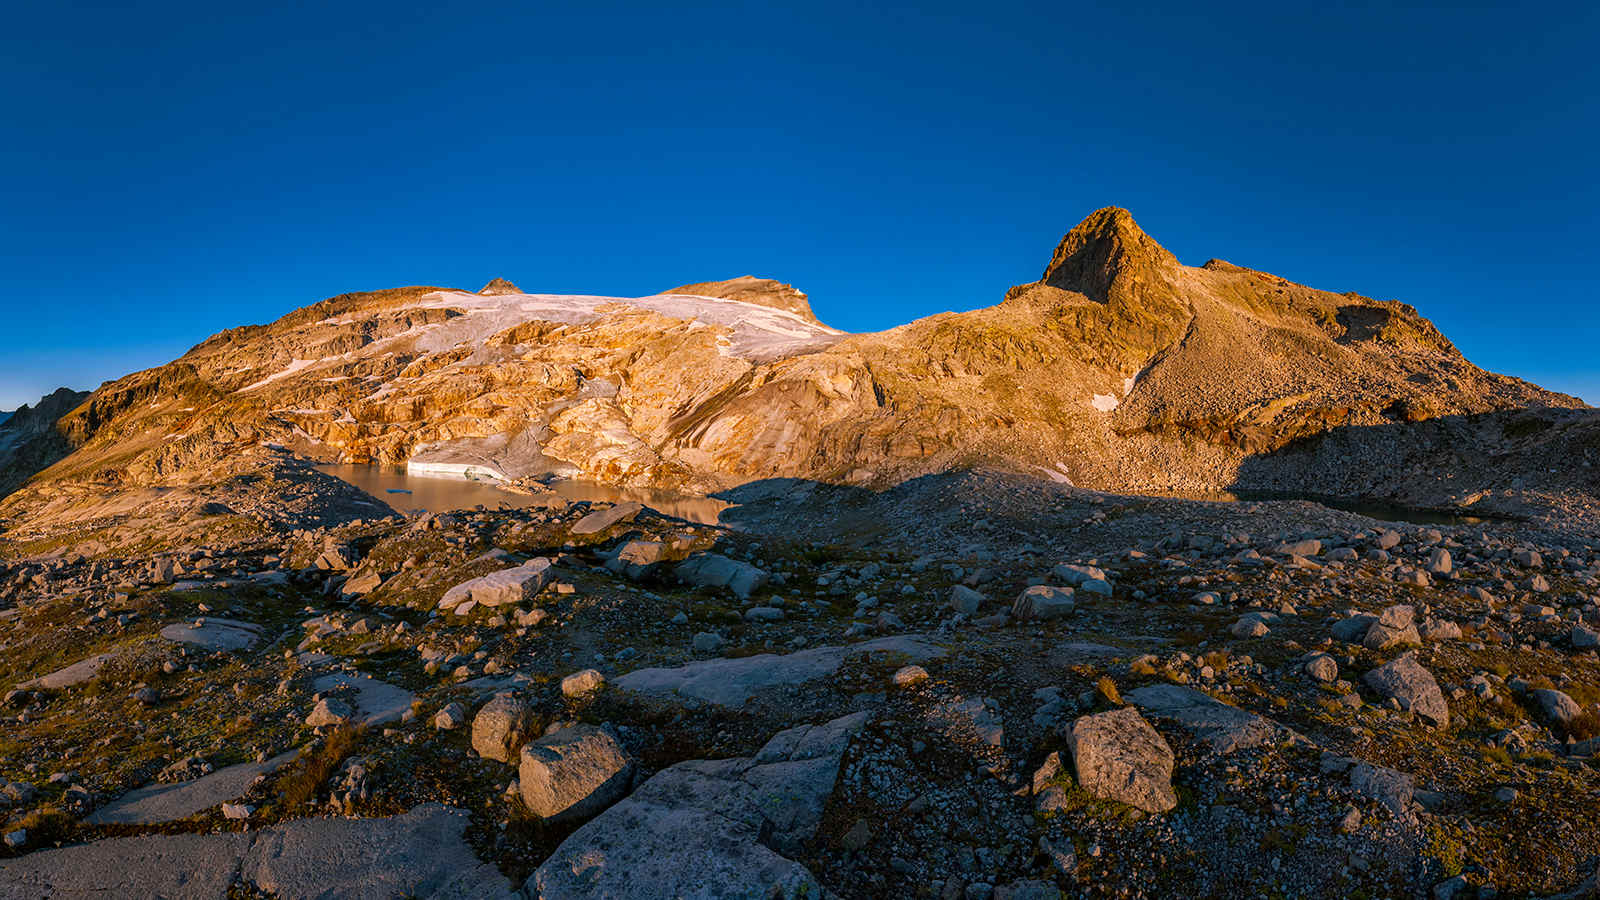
(758, 333)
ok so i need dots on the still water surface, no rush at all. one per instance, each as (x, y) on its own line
(412, 492)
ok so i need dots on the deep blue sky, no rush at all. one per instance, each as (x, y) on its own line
(170, 170)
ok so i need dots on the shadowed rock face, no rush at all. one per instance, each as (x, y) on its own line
(30, 439)
(1120, 368)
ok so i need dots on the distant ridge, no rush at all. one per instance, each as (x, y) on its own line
(499, 286)
(750, 289)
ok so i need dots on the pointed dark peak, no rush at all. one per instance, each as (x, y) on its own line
(500, 286)
(1106, 254)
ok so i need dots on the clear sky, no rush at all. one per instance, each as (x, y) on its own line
(170, 170)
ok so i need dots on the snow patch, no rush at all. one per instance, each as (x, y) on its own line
(1059, 474)
(472, 471)
(756, 332)
(295, 365)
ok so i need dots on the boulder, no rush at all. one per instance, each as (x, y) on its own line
(635, 557)
(965, 600)
(579, 684)
(1390, 787)
(1118, 756)
(1556, 705)
(1353, 629)
(501, 727)
(1224, 728)
(732, 682)
(1405, 680)
(1043, 602)
(451, 717)
(1249, 625)
(716, 571)
(708, 828)
(329, 711)
(573, 774)
(214, 634)
(601, 519)
(1323, 668)
(1395, 627)
(508, 586)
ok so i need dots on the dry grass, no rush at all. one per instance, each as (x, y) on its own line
(313, 769)
(1585, 726)
(1107, 688)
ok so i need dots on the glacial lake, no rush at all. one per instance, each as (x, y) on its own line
(406, 493)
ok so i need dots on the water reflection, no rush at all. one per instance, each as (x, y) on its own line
(407, 493)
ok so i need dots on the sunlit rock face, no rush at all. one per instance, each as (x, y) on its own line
(1119, 368)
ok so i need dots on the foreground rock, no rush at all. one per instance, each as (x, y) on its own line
(732, 682)
(573, 773)
(1118, 756)
(715, 571)
(1413, 687)
(506, 587)
(1224, 728)
(214, 634)
(703, 828)
(375, 702)
(418, 854)
(501, 727)
(79, 672)
(158, 803)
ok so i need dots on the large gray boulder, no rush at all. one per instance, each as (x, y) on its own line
(708, 828)
(1043, 602)
(158, 803)
(214, 634)
(1390, 787)
(1224, 728)
(573, 773)
(716, 571)
(1395, 627)
(1405, 680)
(418, 854)
(601, 519)
(1119, 756)
(732, 682)
(505, 587)
(1557, 706)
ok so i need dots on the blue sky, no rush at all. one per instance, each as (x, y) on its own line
(172, 170)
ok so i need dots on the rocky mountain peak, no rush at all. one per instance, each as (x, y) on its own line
(1108, 256)
(750, 289)
(499, 286)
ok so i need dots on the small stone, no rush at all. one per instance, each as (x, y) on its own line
(501, 727)
(453, 716)
(906, 676)
(579, 684)
(329, 711)
(1323, 668)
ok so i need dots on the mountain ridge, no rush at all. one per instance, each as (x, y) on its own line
(1120, 369)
